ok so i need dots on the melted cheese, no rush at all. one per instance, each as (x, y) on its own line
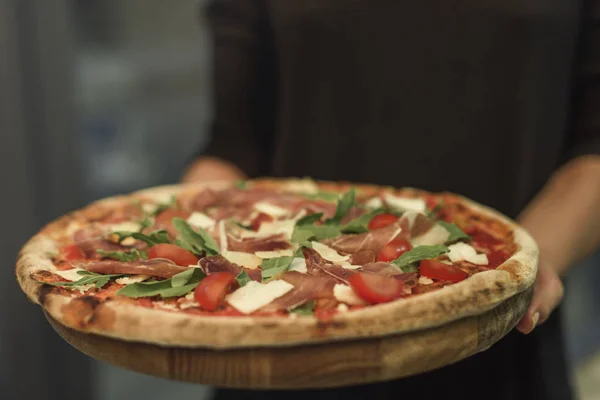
(299, 265)
(275, 253)
(423, 280)
(330, 254)
(374, 203)
(271, 209)
(126, 280)
(247, 260)
(255, 295)
(201, 220)
(345, 294)
(127, 226)
(405, 203)
(70, 274)
(463, 251)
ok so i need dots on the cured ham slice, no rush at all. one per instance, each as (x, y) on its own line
(252, 245)
(318, 266)
(218, 263)
(368, 241)
(93, 238)
(306, 288)
(362, 257)
(200, 200)
(157, 267)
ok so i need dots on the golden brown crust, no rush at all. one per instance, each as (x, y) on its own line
(475, 295)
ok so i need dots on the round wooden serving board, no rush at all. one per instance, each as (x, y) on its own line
(333, 364)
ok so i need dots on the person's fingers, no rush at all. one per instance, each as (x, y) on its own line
(548, 293)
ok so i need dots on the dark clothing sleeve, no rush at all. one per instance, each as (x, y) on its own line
(243, 84)
(584, 137)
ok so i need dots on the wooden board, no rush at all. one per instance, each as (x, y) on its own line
(310, 366)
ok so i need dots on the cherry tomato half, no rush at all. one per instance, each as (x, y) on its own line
(178, 255)
(393, 250)
(376, 288)
(260, 218)
(381, 221)
(211, 290)
(444, 272)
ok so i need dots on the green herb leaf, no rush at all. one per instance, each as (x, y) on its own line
(197, 242)
(132, 255)
(243, 278)
(179, 285)
(153, 238)
(305, 309)
(275, 266)
(241, 185)
(456, 233)
(419, 253)
(312, 232)
(360, 224)
(146, 223)
(309, 219)
(88, 278)
(172, 203)
(345, 203)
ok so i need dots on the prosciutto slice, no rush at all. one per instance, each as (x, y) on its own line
(369, 241)
(157, 267)
(218, 263)
(92, 238)
(306, 288)
(317, 265)
(252, 245)
(200, 200)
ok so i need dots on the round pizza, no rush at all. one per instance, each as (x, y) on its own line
(272, 262)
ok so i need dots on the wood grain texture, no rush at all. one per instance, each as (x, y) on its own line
(310, 366)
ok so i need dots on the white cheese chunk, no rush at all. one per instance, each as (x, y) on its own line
(374, 203)
(271, 209)
(255, 295)
(149, 208)
(436, 235)
(305, 185)
(70, 274)
(222, 236)
(347, 265)
(345, 294)
(275, 253)
(247, 260)
(201, 220)
(330, 254)
(285, 226)
(127, 226)
(128, 241)
(423, 280)
(126, 280)
(162, 198)
(463, 251)
(299, 265)
(405, 203)
(342, 308)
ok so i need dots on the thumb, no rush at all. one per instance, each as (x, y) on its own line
(547, 295)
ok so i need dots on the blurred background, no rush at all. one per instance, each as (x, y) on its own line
(99, 97)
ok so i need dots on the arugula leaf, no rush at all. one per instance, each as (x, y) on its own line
(326, 196)
(312, 232)
(275, 266)
(243, 278)
(344, 205)
(88, 278)
(146, 223)
(360, 224)
(456, 233)
(241, 185)
(419, 253)
(132, 255)
(309, 219)
(197, 242)
(179, 285)
(305, 309)
(153, 238)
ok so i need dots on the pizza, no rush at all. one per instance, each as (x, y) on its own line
(273, 262)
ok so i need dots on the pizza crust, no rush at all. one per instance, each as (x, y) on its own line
(473, 296)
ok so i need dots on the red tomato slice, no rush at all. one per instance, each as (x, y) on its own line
(444, 272)
(393, 250)
(174, 253)
(381, 221)
(73, 252)
(211, 290)
(167, 216)
(260, 218)
(496, 258)
(376, 288)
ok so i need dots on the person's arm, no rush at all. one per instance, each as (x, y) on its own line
(564, 218)
(243, 93)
